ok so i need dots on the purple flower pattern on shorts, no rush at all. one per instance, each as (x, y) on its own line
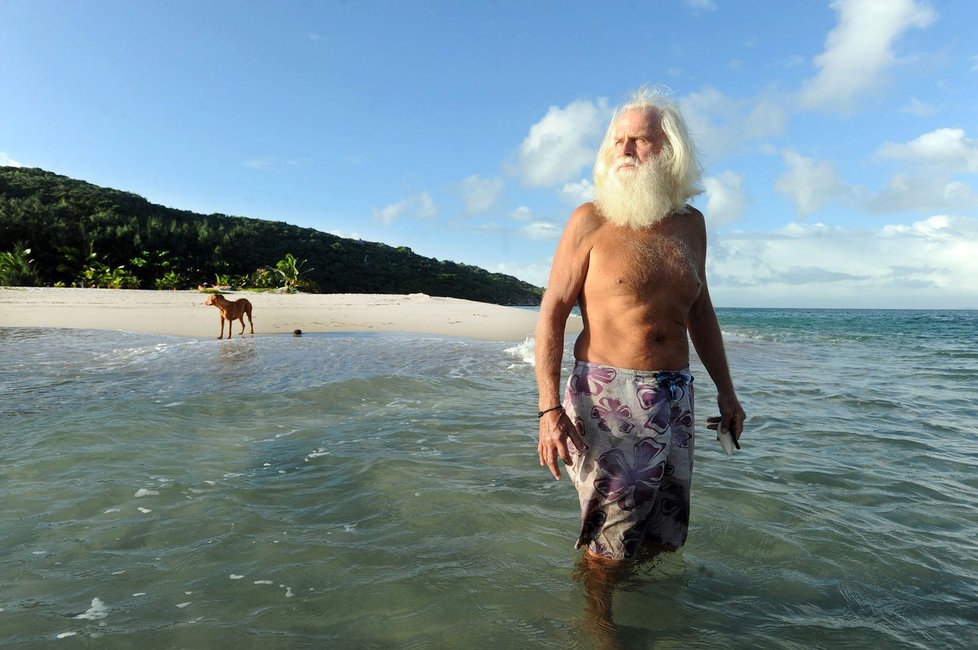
(659, 412)
(610, 411)
(630, 485)
(682, 435)
(662, 402)
(590, 380)
(673, 504)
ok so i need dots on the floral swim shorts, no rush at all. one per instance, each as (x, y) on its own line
(634, 474)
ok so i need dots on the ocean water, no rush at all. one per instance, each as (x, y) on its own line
(382, 491)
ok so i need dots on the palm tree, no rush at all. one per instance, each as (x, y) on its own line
(17, 269)
(290, 268)
(74, 261)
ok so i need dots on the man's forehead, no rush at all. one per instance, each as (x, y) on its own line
(636, 120)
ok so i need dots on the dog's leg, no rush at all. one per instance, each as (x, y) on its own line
(242, 325)
(222, 328)
(251, 321)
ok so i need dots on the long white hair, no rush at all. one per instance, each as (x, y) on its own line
(678, 158)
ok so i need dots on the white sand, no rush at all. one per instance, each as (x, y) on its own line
(183, 313)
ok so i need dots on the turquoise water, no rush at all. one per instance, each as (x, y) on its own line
(365, 491)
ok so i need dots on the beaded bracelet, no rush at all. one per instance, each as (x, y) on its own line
(554, 408)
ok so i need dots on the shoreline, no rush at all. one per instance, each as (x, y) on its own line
(183, 313)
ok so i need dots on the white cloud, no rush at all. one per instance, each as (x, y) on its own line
(541, 230)
(859, 51)
(726, 198)
(931, 187)
(922, 194)
(942, 149)
(795, 61)
(701, 5)
(919, 108)
(388, 214)
(423, 205)
(7, 161)
(936, 158)
(480, 194)
(522, 213)
(426, 206)
(535, 274)
(345, 235)
(578, 192)
(929, 263)
(563, 142)
(265, 163)
(483, 227)
(811, 184)
(720, 124)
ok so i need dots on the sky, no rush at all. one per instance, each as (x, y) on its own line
(839, 139)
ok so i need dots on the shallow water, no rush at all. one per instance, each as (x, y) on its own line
(383, 491)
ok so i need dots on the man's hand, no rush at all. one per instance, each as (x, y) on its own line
(731, 418)
(555, 430)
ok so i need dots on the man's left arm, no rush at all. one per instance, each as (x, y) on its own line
(704, 332)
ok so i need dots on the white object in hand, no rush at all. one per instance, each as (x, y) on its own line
(726, 442)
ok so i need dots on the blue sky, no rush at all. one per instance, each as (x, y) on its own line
(838, 138)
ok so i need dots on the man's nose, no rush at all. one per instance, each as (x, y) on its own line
(627, 147)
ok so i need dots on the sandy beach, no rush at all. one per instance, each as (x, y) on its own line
(183, 313)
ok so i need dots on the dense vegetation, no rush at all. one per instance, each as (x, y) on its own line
(59, 231)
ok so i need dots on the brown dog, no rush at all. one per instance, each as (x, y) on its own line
(232, 310)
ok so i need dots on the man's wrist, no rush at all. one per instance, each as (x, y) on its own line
(559, 407)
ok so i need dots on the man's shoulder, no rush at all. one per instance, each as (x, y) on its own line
(695, 227)
(692, 217)
(585, 210)
(690, 211)
(586, 217)
(582, 226)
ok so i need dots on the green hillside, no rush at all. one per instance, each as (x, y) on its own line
(79, 234)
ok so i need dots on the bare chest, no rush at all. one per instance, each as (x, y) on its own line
(644, 265)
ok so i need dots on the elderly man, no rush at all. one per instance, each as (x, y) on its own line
(635, 262)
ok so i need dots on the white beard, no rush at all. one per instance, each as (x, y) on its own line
(637, 197)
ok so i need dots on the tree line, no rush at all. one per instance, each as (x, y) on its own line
(58, 231)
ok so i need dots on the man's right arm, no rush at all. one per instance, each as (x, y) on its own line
(563, 288)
